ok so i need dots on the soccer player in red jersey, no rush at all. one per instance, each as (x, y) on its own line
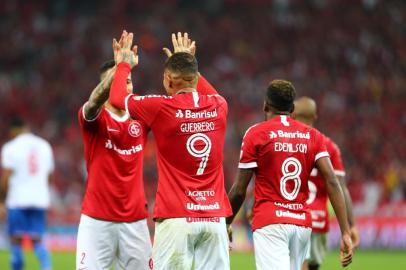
(189, 128)
(113, 224)
(306, 112)
(281, 153)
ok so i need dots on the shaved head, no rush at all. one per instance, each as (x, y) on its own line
(305, 110)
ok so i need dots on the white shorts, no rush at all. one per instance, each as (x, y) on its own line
(182, 242)
(100, 243)
(281, 246)
(318, 248)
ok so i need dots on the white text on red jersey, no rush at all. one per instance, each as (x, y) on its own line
(290, 135)
(189, 114)
(127, 152)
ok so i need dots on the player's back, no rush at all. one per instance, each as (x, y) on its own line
(31, 160)
(190, 129)
(285, 152)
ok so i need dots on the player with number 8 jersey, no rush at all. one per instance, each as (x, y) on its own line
(284, 152)
(281, 153)
(189, 128)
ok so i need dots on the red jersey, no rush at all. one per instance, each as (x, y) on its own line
(283, 152)
(317, 200)
(113, 149)
(189, 130)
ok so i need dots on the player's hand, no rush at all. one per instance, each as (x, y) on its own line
(118, 45)
(355, 236)
(230, 232)
(126, 53)
(230, 236)
(181, 44)
(346, 250)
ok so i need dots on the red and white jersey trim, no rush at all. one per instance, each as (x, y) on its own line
(118, 118)
(126, 103)
(339, 173)
(321, 154)
(248, 165)
(195, 99)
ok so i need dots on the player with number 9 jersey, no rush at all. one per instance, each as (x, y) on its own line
(189, 129)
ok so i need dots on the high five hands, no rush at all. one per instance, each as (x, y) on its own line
(181, 44)
(123, 52)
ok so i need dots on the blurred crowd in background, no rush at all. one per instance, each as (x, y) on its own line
(349, 55)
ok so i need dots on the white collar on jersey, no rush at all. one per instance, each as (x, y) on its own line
(118, 118)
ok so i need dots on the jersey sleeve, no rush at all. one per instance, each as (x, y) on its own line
(320, 146)
(51, 161)
(6, 158)
(118, 89)
(248, 154)
(204, 87)
(336, 160)
(144, 108)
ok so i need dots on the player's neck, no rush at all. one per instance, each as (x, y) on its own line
(113, 109)
(185, 90)
(270, 115)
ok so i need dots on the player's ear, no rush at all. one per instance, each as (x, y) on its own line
(266, 107)
(292, 108)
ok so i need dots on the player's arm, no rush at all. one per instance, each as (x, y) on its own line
(336, 160)
(99, 96)
(182, 43)
(336, 197)
(350, 215)
(126, 58)
(238, 191)
(4, 181)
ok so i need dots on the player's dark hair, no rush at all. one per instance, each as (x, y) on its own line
(183, 63)
(106, 66)
(281, 95)
(17, 122)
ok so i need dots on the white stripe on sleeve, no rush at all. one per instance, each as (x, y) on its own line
(248, 165)
(126, 103)
(321, 154)
(339, 173)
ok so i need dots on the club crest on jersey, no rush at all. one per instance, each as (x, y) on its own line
(135, 129)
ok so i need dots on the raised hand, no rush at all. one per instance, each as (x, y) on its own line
(118, 45)
(123, 51)
(346, 250)
(181, 44)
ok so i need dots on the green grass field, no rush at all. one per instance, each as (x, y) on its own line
(363, 260)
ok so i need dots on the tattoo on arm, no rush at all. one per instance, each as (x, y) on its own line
(99, 96)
